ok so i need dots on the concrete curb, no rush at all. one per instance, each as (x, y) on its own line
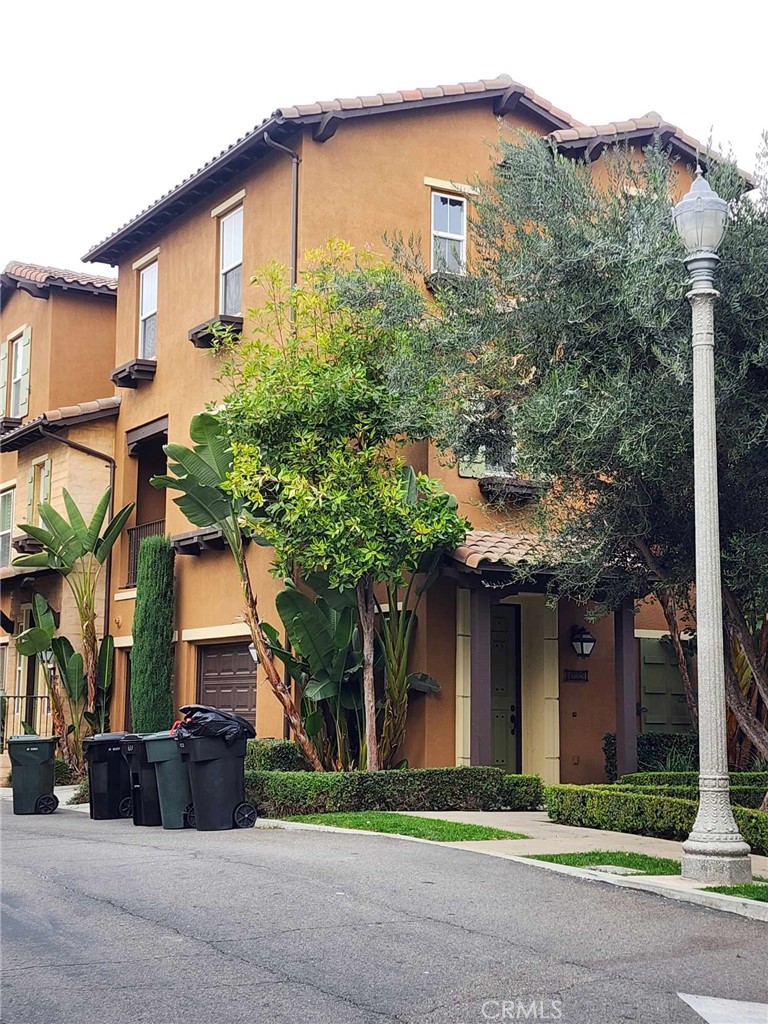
(752, 909)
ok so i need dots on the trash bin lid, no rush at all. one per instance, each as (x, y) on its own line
(107, 737)
(32, 739)
(161, 746)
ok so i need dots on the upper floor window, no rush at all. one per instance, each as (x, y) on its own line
(6, 526)
(148, 312)
(14, 374)
(449, 233)
(231, 262)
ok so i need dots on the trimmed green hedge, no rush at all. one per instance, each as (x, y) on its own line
(740, 796)
(653, 750)
(275, 756)
(756, 779)
(280, 794)
(620, 810)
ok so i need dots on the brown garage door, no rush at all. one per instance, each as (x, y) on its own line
(227, 679)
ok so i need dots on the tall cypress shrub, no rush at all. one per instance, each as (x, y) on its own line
(152, 654)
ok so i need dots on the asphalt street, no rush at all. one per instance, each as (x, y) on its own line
(106, 923)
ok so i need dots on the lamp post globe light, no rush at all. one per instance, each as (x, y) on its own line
(714, 851)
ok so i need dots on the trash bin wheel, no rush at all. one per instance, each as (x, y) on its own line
(245, 816)
(125, 809)
(190, 821)
(46, 804)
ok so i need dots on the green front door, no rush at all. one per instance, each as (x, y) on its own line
(664, 708)
(505, 687)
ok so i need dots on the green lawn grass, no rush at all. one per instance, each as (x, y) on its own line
(408, 825)
(751, 890)
(616, 858)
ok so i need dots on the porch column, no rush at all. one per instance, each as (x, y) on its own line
(480, 656)
(626, 687)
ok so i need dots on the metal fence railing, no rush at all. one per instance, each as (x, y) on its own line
(136, 534)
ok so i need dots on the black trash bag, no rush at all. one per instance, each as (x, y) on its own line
(201, 720)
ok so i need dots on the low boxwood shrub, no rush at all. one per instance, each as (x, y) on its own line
(742, 796)
(280, 794)
(520, 793)
(756, 779)
(654, 751)
(275, 755)
(624, 810)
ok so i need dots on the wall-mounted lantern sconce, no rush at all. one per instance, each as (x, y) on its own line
(582, 641)
(253, 653)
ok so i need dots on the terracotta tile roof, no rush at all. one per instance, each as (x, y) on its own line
(406, 96)
(590, 139)
(59, 419)
(489, 546)
(53, 277)
(283, 123)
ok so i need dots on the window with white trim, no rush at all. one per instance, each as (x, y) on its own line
(148, 312)
(449, 233)
(17, 374)
(231, 262)
(6, 526)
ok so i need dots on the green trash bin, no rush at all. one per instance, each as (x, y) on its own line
(32, 774)
(172, 774)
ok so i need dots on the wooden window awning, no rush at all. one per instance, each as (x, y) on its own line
(132, 373)
(197, 541)
(205, 334)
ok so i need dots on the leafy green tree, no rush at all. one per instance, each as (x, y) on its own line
(567, 347)
(78, 551)
(200, 474)
(152, 652)
(319, 405)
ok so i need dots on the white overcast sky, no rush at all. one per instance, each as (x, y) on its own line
(106, 106)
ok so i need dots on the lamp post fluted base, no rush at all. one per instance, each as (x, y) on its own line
(715, 852)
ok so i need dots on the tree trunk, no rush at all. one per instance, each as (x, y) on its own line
(740, 629)
(366, 609)
(754, 730)
(90, 660)
(279, 687)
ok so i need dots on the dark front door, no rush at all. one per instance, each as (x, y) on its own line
(505, 687)
(227, 679)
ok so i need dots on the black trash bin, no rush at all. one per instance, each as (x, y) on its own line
(144, 795)
(32, 775)
(212, 743)
(109, 779)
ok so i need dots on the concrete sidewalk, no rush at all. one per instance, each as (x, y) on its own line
(548, 837)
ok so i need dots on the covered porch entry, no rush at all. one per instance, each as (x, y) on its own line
(511, 662)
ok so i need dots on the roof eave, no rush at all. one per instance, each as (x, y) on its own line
(28, 433)
(113, 248)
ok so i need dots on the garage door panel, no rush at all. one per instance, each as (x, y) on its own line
(227, 679)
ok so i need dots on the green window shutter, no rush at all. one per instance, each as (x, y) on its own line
(45, 481)
(26, 345)
(30, 517)
(4, 378)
